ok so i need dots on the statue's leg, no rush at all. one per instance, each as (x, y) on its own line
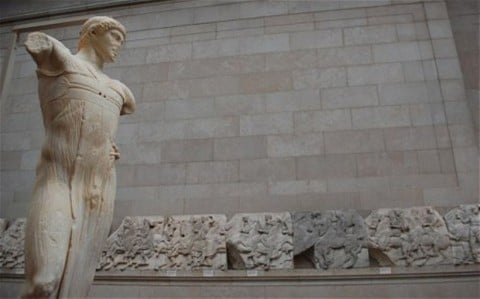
(47, 237)
(89, 237)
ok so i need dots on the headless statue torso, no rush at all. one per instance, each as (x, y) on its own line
(72, 205)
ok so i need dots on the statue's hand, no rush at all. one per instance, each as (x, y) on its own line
(38, 42)
(115, 153)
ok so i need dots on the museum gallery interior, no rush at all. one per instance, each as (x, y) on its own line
(239, 149)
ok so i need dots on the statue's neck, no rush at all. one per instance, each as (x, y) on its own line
(89, 55)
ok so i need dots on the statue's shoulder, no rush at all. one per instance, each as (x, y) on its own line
(127, 96)
(50, 54)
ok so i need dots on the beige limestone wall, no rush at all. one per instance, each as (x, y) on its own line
(464, 16)
(248, 106)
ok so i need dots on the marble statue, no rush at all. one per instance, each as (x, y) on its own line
(331, 239)
(11, 245)
(72, 204)
(408, 237)
(260, 241)
(184, 242)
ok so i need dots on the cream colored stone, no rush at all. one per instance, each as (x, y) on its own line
(72, 206)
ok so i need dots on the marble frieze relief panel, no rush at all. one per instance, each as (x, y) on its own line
(173, 242)
(267, 241)
(463, 223)
(12, 244)
(331, 239)
(260, 241)
(408, 237)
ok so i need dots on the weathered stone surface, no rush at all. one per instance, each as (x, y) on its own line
(260, 241)
(463, 223)
(331, 239)
(408, 237)
(173, 242)
(12, 245)
(3, 225)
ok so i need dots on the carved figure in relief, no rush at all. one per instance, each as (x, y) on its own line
(71, 209)
(11, 245)
(338, 238)
(405, 237)
(174, 242)
(260, 241)
(463, 224)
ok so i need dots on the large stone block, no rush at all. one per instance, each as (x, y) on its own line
(354, 141)
(331, 239)
(370, 34)
(273, 169)
(375, 74)
(463, 223)
(405, 51)
(344, 56)
(319, 78)
(380, 117)
(326, 166)
(349, 97)
(245, 147)
(408, 237)
(273, 123)
(260, 241)
(187, 150)
(12, 245)
(316, 39)
(318, 121)
(173, 242)
(212, 127)
(417, 138)
(410, 93)
(295, 145)
(301, 59)
(298, 100)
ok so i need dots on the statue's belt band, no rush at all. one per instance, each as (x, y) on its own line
(91, 96)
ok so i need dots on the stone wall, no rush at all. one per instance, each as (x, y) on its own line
(464, 16)
(254, 106)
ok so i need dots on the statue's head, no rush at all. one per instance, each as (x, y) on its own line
(105, 35)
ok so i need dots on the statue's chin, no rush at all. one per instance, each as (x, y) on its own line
(110, 60)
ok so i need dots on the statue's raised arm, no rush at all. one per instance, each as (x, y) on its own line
(48, 53)
(72, 200)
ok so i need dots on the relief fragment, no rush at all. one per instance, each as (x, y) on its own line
(331, 239)
(408, 237)
(12, 242)
(463, 223)
(173, 242)
(3, 225)
(260, 241)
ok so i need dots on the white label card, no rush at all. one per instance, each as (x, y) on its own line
(171, 273)
(385, 270)
(252, 273)
(208, 273)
